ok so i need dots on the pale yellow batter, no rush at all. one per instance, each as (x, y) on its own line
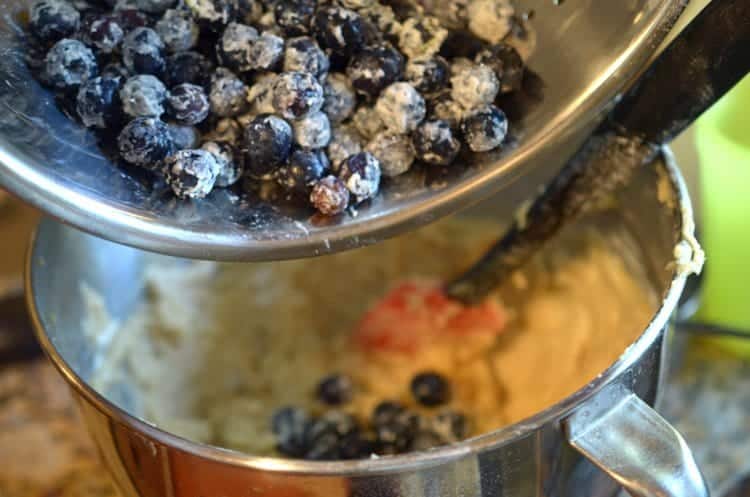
(217, 347)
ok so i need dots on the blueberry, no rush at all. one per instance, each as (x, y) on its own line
(434, 143)
(177, 30)
(321, 441)
(53, 20)
(329, 196)
(366, 120)
(290, 426)
(401, 107)
(361, 175)
(386, 412)
(323, 158)
(266, 52)
(345, 142)
(143, 52)
(267, 145)
(115, 70)
(383, 20)
(303, 54)
(68, 64)
(356, 445)
(191, 173)
(129, 19)
(372, 35)
(248, 11)
(474, 85)
(228, 94)
(302, 171)
(188, 67)
(395, 436)
(335, 389)
(430, 389)
(149, 6)
(343, 423)
(442, 107)
(421, 36)
(312, 131)
(339, 98)
(507, 64)
(295, 16)
(213, 15)
(104, 34)
(428, 75)
(98, 103)
(374, 68)
(188, 104)
(485, 130)
(145, 141)
(296, 95)
(394, 152)
(451, 425)
(338, 29)
(234, 46)
(143, 95)
(184, 136)
(231, 165)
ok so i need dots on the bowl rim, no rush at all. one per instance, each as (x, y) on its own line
(391, 464)
(129, 225)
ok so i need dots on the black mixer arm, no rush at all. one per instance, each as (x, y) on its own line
(704, 62)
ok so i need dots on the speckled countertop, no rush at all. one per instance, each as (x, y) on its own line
(708, 399)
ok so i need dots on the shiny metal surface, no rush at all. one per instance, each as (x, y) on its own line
(530, 459)
(586, 52)
(638, 448)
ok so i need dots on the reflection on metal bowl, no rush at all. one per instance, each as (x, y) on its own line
(602, 436)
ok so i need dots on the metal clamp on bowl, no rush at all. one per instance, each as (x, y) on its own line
(633, 444)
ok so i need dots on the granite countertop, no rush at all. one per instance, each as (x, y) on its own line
(708, 400)
(44, 449)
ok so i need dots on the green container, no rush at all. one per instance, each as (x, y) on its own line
(723, 142)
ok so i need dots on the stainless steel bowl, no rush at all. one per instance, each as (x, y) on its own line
(603, 436)
(586, 53)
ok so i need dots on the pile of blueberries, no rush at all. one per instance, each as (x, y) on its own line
(391, 429)
(321, 98)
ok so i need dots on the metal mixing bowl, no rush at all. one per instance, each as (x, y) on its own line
(603, 436)
(586, 53)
